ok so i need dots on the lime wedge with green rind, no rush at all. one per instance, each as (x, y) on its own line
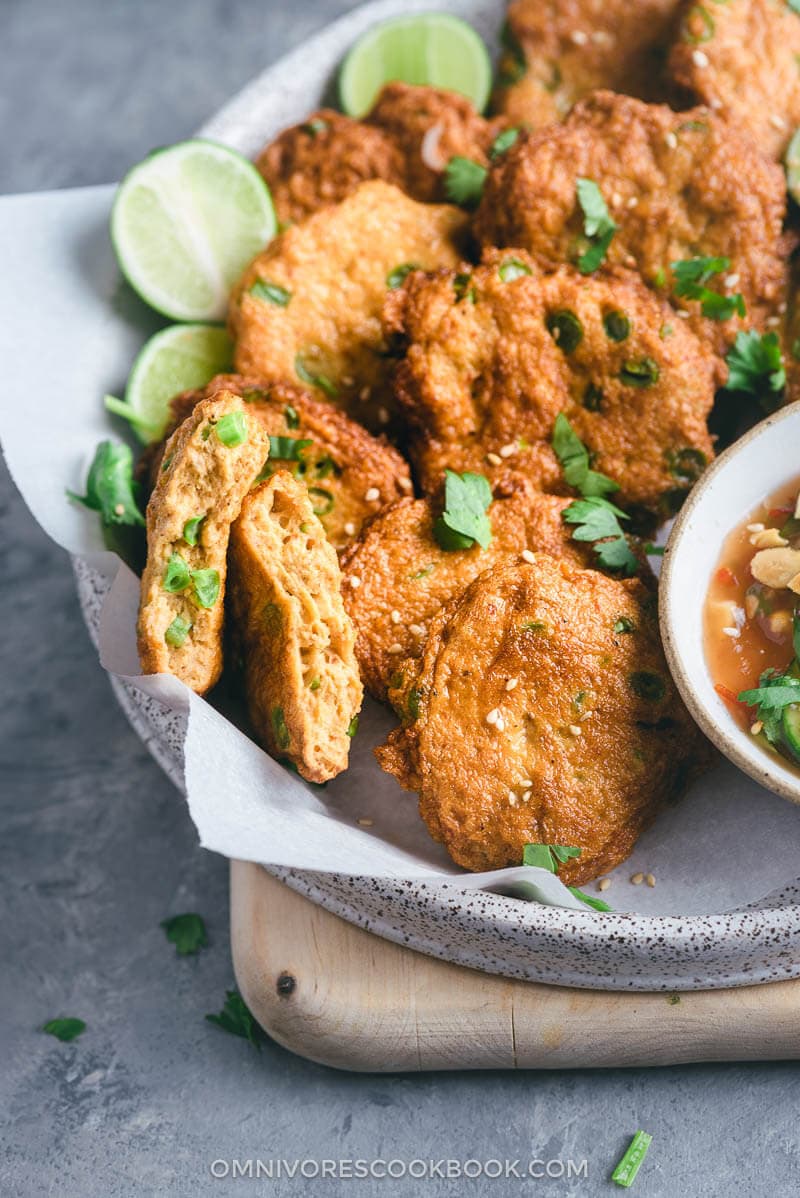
(431, 48)
(186, 221)
(180, 358)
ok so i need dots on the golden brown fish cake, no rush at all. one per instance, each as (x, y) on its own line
(211, 462)
(297, 641)
(350, 474)
(397, 577)
(741, 59)
(493, 355)
(333, 272)
(542, 711)
(430, 126)
(323, 160)
(555, 53)
(678, 185)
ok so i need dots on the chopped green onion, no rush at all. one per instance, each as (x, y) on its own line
(288, 449)
(315, 126)
(398, 276)
(176, 575)
(503, 142)
(462, 288)
(177, 632)
(512, 269)
(280, 731)
(291, 417)
(706, 22)
(565, 328)
(642, 373)
(625, 1172)
(593, 398)
(191, 529)
(272, 293)
(325, 501)
(352, 727)
(624, 624)
(617, 326)
(315, 684)
(206, 587)
(314, 380)
(231, 429)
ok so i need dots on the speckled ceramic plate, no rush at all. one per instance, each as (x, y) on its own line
(474, 928)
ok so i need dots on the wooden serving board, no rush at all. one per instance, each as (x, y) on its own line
(343, 997)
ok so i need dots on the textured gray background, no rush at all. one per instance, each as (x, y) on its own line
(95, 848)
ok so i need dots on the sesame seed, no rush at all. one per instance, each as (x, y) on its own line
(579, 37)
(731, 280)
(500, 724)
(526, 784)
(715, 103)
(507, 450)
(355, 581)
(637, 879)
(755, 528)
(512, 684)
(396, 648)
(528, 556)
(526, 798)
(601, 38)
(671, 140)
(757, 728)
(493, 459)
(684, 315)
(576, 729)
(347, 380)
(364, 822)
(493, 716)
(700, 59)
(633, 201)
(512, 799)
(777, 121)
(372, 494)
(350, 528)
(650, 880)
(772, 322)
(782, 308)
(404, 484)
(604, 884)
(734, 632)
(383, 415)
(416, 630)
(395, 617)
(616, 199)
(119, 509)
(363, 394)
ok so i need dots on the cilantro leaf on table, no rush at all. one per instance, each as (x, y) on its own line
(64, 1029)
(186, 932)
(598, 225)
(463, 181)
(110, 487)
(464, 520)
(574, 458)
(691, 277)
(755, 364)
(598, 521)
(774, 692)
(235, 1017)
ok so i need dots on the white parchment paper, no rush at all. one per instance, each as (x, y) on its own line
(70, 330)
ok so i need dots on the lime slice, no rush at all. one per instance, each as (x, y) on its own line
(186, 222)
(432, 48)
(792, 162)
(180, 358)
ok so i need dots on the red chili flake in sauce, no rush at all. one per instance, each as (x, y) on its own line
(726, 577)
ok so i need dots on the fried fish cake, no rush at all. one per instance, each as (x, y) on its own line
(309, 306)
(323, 160)
(397, 577)
(494, 355)
(297, 642)
(555, 53)
(740, 58)
(210, 464)
(542, 711)
(349, 473)
(678, 185)
(430, 126)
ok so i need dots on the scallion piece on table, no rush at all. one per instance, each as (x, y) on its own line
(628, 1167)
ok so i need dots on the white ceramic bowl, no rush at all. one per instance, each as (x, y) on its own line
(755, 467)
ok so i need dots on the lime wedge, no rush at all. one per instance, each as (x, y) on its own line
(792, 162)
(432, 48)
(186, 222)
(180, 358)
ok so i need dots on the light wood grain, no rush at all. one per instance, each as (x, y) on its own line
(357, 1002)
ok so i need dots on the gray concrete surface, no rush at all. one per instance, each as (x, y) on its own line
(95, 848)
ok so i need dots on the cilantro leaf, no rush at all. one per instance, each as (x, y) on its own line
(691, 277)
(464, 521)
(597, 520)
(548, 856)
(110, 488)
(288, 449)
(64, 1029)
(595, 903)
(186, 932)
(774, 692)
(574, 458)
(597, 225)
(755, 363)
(464, 180)
(236, 1018)
(503, 142)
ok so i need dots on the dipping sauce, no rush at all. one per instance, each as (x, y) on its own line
(749, 619)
